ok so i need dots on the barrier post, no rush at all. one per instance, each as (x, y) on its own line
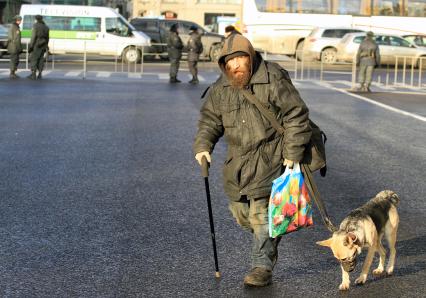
(387, 75)
(420, 71)
(84, 61)
(412, 71)
(396, 71)
(404, 68)
(26, 57)
(142, 59)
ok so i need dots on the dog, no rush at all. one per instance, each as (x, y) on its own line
(365, 227)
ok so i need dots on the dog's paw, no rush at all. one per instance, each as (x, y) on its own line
(344, 286)
(361, 280)
(389, 271)
(378, 272)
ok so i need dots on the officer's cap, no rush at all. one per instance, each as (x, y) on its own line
(38, 17)
(370, 33)
(17, 18)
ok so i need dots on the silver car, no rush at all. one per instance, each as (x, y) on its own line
(390, 46)
(321, 43)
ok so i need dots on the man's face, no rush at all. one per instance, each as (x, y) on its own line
(238, 71)
(18, 22)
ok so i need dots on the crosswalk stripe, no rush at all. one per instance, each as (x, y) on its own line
(73, 73)
(132, 75)
(163, 76)
(103, 74)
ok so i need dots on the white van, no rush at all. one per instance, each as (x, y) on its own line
(96, 30)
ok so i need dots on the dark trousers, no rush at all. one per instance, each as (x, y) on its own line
(37, 59)
(14, 61)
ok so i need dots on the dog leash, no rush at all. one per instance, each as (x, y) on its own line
(309, 179)
(313, 189)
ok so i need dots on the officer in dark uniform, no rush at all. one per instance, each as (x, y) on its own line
(368, 57)
(14, 46)
(38, 47)
(195, 48)
(174, 49)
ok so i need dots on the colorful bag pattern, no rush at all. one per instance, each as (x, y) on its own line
(290, 207)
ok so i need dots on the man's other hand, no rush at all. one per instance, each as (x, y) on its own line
(199, 156)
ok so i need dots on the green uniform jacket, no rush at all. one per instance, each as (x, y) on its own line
(194, 47)
(174, 45)
(255, 149)
(39, 36)
(14, 45)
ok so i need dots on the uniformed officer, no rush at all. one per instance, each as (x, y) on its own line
(38, 47)
(368, 57)
(195, 48)
(14, 46)
(174, 49)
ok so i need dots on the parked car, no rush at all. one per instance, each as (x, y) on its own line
(158, 29)
(3, 39)
(321, 43)
(389, 45)
(418, 40)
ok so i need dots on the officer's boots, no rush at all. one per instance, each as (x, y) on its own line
(39, 77)
(33, 75)
(13, 75)
(174, 80)
(194, 80)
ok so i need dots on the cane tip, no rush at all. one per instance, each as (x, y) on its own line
(217, 274)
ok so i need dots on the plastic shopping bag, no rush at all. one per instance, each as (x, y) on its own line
(290, 207)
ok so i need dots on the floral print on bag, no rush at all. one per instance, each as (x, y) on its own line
(289, 205)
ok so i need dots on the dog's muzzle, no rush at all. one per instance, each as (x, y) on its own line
(349, 263)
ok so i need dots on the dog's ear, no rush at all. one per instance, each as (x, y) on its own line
(351, 237)
(325, 242)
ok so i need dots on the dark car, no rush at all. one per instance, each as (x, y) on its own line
(3, 39)
(158, 29)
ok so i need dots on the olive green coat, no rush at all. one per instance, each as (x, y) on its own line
(14, 45)
(255, 149)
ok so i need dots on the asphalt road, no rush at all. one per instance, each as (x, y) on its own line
(101, 196)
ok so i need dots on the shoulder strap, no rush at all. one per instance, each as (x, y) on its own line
(264, 110)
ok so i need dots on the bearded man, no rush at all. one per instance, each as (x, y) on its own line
(257, 153)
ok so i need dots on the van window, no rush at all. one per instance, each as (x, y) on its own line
(117, 26)
(66, 23)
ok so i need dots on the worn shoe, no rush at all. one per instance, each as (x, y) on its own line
(258, 277)
(13, 76)
(193, 81)
(39, 77)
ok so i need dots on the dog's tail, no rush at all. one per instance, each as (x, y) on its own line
(389, 195)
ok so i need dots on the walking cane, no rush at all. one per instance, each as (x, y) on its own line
(205, 174)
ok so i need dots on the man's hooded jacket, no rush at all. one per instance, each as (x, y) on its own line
(255, 149)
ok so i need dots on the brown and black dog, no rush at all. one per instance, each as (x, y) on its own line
(365, 227)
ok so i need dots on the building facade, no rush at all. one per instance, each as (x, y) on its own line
(203, 12)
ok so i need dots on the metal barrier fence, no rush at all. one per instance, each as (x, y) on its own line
(389, 74)
(138, 53)
(304, 67)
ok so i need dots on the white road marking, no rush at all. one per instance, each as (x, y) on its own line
(73, 74)
(382, 105)
(103, 74)
(163, 76)
(132, 75)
